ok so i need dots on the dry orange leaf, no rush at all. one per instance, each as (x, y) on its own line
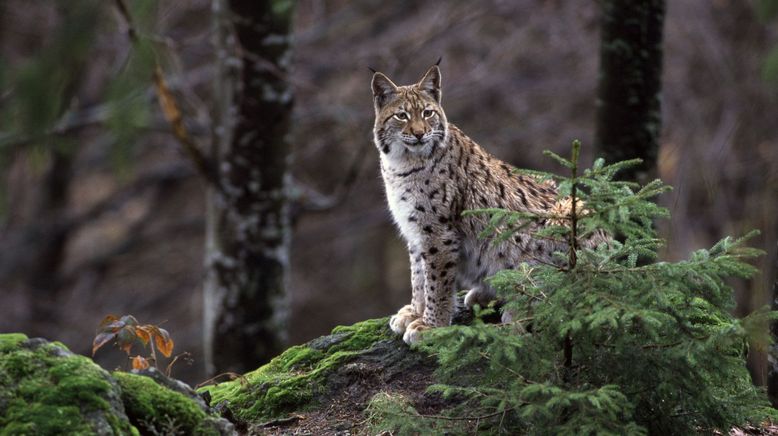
(108, 320)
(126, 331)
(163, 342)
(167, 102)
(143, 334)
(139, 362)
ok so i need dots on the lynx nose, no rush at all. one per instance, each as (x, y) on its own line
(418, 135)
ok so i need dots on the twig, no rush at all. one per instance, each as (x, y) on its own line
(525, 293)
(73, 119)
(173, 115)
(231, 375)
(652, 346)
(524, 379)
(469, 418)
(573, 197)
(125, 13)
(281, 421)
(457, 418)
(568, 342)
(169, 368)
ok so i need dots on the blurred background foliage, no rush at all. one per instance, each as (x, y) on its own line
(767, 10)
(103, 214)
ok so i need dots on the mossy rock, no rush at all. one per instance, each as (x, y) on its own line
(156, 409)
(45, 390)
(306, 375)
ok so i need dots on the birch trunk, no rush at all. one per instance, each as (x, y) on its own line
(248, 227)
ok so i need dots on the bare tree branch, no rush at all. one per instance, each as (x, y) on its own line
(306, 199)
(21, 247)
(171, 111)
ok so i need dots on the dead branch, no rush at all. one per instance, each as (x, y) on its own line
(22, 247)
(170, 109)
(305, 199)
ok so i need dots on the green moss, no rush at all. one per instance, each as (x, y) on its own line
(361, 335)
(8, 341)
(37, 418)
(293, 379)
(159, 410)
(46, 390)
(301, 356)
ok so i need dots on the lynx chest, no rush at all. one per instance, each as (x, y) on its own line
(404, 196)
(419, 201)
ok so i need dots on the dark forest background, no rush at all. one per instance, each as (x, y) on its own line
(104, 214)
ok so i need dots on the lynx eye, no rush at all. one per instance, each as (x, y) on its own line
(402, 116)
(427, 113)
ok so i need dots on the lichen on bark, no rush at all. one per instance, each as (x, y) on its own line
(248, 223)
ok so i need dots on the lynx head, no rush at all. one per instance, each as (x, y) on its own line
(409, 119)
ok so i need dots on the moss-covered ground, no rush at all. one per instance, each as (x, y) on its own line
(297, 377)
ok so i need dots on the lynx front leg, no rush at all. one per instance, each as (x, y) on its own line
(439, 256)
(411, 312)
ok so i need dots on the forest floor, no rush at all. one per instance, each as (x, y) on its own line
(344, 413)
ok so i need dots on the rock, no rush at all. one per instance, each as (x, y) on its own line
(174, 385)
(47, 390)
(352, 363)
(323, 387)
(154, 408)
(298, 377)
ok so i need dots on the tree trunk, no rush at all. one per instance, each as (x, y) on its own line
(628, 104)
(248, 219)
(772, 355)
(49, 239)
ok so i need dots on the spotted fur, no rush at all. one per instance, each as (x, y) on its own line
(433, 172)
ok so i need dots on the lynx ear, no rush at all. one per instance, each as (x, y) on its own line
(383, 89)
(430, 83)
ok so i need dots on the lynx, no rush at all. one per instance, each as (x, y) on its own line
(433, 172)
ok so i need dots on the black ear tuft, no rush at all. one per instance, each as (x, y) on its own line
(430, 83)
(372, 70)
(438, 62)
(383, 89)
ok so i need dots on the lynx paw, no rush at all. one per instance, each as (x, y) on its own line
(405, 316)
(414, 331)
